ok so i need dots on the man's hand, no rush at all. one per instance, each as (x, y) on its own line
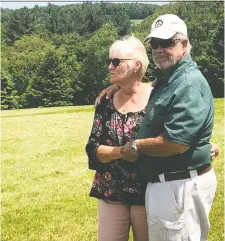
(214, 150)
(127, 152)
(109, 92)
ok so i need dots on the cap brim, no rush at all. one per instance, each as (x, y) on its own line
(162, 34)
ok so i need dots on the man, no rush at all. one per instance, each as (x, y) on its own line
(174, 140)
(172, 148)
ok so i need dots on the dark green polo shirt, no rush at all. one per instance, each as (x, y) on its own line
(181, 110)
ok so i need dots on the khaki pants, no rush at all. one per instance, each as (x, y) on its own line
(179, 210)
(114, 221)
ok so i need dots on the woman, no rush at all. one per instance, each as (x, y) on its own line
(117, 183)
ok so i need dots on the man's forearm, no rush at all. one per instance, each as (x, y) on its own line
(159, 146)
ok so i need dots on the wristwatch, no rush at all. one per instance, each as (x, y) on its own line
(134, 147)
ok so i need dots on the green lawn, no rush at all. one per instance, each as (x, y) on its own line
(46, 182)
(136, 21)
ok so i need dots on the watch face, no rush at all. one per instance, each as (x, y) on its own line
(133, 149)
(134, 146)
(134, 152)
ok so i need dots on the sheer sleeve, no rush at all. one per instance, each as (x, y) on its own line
(96, 137)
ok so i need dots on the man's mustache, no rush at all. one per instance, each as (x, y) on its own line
(160, 55)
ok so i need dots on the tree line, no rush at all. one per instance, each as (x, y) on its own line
(55, 55)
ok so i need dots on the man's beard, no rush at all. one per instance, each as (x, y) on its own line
(166, 62)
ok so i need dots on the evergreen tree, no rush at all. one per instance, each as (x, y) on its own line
(56, 55)
(9, 96)
(94, 73)
(51, 86)
(20, 22)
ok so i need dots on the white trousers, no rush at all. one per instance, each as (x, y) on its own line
(179, 210)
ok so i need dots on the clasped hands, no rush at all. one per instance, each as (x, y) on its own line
(127, 152)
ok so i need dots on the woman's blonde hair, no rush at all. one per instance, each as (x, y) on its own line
(132, 47)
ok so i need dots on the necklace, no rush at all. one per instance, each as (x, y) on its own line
(125, 108)
(125, 105)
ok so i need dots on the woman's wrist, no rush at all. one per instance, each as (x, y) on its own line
(121, 151)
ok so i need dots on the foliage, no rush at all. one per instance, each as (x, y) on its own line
(8, 93)
(94, 70)
(43, 47)
(52, 84)
(206, 35)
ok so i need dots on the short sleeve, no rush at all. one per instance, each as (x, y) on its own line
(186, 114)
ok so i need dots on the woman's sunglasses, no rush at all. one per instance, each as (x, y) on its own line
(115, 62)
(162, 43)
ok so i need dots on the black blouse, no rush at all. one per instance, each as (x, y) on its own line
(117, 180)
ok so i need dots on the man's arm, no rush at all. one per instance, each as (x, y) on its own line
(158, 146)
(108, 92)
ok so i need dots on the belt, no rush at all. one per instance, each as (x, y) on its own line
(171, 176)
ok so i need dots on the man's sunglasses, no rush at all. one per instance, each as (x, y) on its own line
(115, 62)
(162, 43)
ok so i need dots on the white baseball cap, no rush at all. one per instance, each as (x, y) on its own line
(166, 26)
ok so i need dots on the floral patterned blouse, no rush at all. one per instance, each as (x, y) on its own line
(117, 180)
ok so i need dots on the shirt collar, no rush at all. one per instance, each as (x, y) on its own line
(169, 76)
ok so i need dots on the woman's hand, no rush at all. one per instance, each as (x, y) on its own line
(127, 152)
(108, 92)
(214, 150)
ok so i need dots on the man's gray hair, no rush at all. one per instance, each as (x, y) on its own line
(132, 47)
(183, 37)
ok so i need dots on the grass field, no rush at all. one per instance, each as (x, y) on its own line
(136, 21)
(46, 182)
